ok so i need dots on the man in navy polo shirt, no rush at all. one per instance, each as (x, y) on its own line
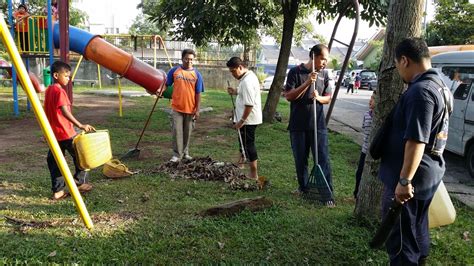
(299, 92)
(411, 169)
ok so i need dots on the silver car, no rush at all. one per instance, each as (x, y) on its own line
(457, 70)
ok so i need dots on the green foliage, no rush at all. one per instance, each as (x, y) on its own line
(143, 24)
(261, 75)
(334, 63)
(225, 21)
(303, 26)
(374, 11)
(374, 63)
(453, 23)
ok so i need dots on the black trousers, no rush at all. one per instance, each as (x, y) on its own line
(350, 88)
(409, 241)
(360, 169)
(248, 138)
(57, 180)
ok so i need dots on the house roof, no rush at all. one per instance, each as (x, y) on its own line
(368, 47)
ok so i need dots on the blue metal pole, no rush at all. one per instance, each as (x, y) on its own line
(16, 110)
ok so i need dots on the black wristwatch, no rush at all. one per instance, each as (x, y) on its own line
(404, 182)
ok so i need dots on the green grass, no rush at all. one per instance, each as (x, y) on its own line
(167, 228)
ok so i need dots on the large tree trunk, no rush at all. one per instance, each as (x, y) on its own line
(404, 20)
(290, 10)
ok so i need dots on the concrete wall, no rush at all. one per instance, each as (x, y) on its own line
(214, 76)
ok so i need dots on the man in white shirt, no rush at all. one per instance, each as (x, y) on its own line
(248, 110)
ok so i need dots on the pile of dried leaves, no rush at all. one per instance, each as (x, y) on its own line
(207, 169)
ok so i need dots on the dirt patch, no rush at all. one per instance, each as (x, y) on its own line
(26, 133)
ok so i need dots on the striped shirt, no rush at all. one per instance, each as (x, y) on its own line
(366, 127)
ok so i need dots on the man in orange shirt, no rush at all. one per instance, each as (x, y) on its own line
(187, 87)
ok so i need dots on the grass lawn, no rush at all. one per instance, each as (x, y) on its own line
(152, 219)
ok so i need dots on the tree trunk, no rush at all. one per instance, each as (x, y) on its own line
(404, 20)
(247, 54)
(290, 10)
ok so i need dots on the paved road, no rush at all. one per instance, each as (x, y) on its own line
(347, 118)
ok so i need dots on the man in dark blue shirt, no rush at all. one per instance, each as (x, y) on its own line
(299, 92)
(410, 170)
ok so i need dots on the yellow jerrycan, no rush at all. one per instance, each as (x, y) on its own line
(92, 149)
(441, 211)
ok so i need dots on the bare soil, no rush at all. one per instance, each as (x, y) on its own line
(26, 132)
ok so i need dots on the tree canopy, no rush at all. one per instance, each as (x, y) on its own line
(142, 24)
(453, 23)
(225, 21)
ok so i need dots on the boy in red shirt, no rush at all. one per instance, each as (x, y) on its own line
(58, 110)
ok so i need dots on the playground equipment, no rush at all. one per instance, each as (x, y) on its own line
(96, 49)
(92, 47)
(43, 121)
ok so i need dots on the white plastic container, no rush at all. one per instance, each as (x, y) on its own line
(441, 210)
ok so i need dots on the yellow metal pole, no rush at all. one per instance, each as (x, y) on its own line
(43, 121)
(98, 76)
(154, 51)
(77, 67)
(120, 96)
(166, 51)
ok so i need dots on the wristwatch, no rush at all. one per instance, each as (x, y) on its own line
(404, 182)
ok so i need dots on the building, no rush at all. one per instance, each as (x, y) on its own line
(368, 53)
(108, 16)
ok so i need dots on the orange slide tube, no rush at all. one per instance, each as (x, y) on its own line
(107, 55)
(124, 64)
(96, 49)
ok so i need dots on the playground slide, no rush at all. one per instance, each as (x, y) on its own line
(96, 49)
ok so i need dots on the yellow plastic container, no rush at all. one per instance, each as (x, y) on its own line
(93, 149)
(441, 210)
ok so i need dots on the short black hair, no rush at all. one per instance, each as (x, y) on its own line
(317, 50)
(187, 51)
(59, 66)
(414, 48)
(236, 62)
(24, 6)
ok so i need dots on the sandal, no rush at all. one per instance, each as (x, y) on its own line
(84, 187)
(63, 196)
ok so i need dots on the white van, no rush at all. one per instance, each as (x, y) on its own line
(457, 69)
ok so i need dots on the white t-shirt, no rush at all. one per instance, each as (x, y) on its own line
(248, 93)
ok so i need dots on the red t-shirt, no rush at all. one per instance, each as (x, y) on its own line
(55, 97)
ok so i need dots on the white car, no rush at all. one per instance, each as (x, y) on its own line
(267, 83)
(457, 70)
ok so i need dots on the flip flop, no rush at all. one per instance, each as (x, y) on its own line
(65, 195)
(84, 187)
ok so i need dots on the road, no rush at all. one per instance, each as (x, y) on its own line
(349, 110)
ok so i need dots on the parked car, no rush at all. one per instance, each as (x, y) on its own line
(368, 79)
(457, 70)
(267, 83)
